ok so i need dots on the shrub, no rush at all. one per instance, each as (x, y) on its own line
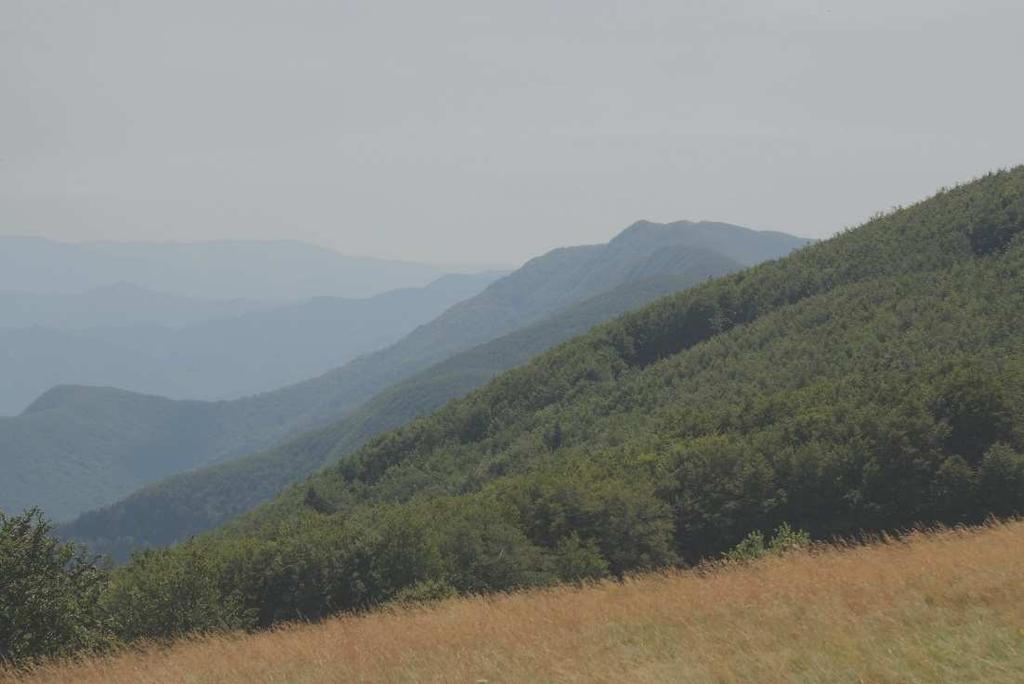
(755, 545)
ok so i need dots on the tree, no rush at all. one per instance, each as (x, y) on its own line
(164, 595)
(1001, 481)
(576, 560)
(318, 503)
(49, 593)
(974, 406)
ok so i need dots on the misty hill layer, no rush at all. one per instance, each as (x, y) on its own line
(114, 305)
(77, 449)
(264, 271)
(252, 351)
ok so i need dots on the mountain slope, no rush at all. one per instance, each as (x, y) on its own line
(873, 381)
(190, 503)
(551, 282)
(264, 271)
(254, 351)
(50, 433)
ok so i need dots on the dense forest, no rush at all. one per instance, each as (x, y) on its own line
(869, 382)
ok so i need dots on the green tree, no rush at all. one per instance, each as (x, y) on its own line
(1001, 481)
(163, 595)
(49, 593)
(974, 407)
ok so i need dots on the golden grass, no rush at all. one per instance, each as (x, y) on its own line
(945, 606)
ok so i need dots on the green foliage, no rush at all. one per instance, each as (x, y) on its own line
(486, 551)
(316, 502)
(990, 234)
(784, 540)
(974, 407)
(750, 548)
(577, 560)
(425, 591)
(162, 596)
(49, 593)
(1001, 480)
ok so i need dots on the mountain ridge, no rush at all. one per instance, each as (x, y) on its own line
(113, 304)
(227, 269)
(252, 351)
(229, 429)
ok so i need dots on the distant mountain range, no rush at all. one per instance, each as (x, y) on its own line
(248, 348)
(78, 448)
(120, 304)
(263, 271)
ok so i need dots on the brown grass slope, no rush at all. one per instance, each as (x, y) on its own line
(942, 606)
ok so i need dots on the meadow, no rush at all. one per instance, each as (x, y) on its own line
(931, 606)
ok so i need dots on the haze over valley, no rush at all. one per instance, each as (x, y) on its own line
(135, 339)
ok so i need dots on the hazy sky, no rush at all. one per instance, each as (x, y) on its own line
(489, 132)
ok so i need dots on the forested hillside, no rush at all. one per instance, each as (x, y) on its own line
(190, 503)
(80, 448)
(551, 282)
(873, 381)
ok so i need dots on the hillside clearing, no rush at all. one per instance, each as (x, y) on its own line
(936, 607)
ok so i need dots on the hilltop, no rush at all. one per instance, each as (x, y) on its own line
(930, 608)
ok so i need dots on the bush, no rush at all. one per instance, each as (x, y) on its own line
(754, 545)
(427, 590)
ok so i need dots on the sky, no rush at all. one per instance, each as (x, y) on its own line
(490, 132)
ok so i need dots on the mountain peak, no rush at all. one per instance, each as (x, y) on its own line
(639, 229)
(646, 231)
(745, 245)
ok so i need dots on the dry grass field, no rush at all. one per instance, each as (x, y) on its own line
(945, 606)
